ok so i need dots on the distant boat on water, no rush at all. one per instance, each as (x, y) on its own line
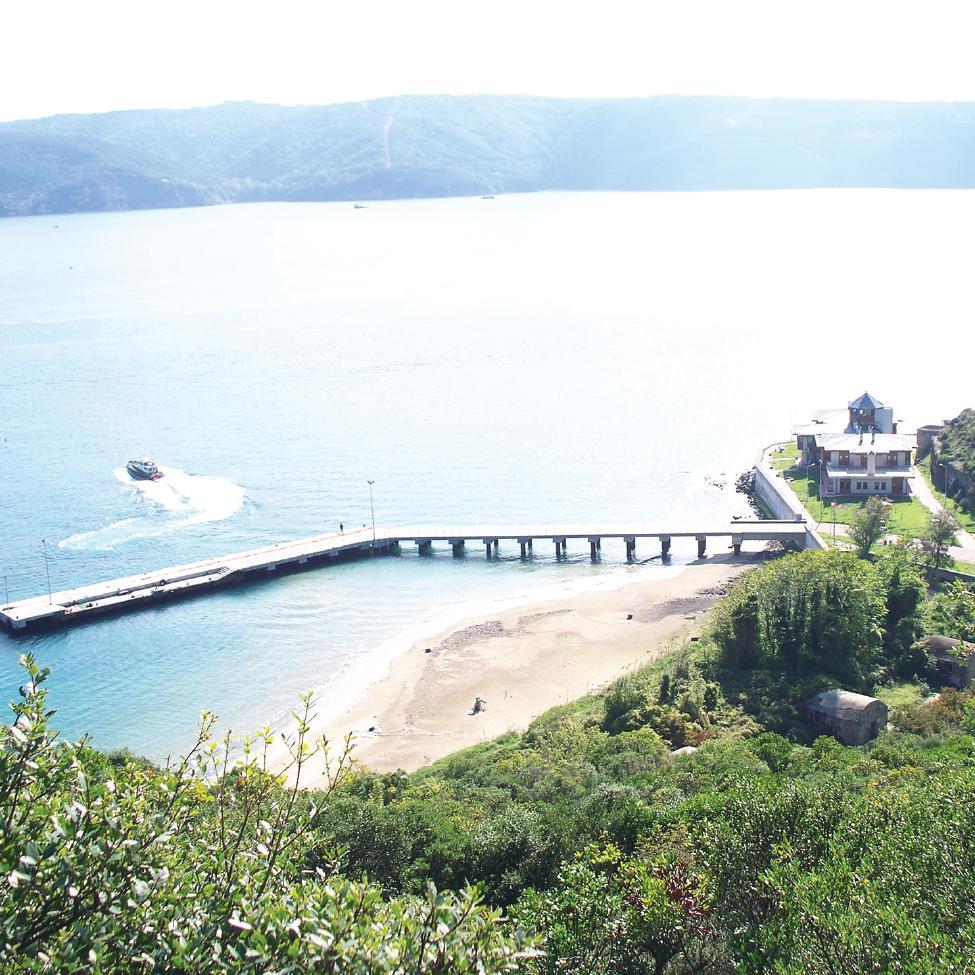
(144, 469)
(358, 206)
(487, 196)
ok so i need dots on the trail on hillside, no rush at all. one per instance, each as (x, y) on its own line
(387, 126)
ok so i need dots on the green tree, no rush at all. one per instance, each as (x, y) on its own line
(200, 867)
(939, 536)
(905, 598)
(951, 612)
(610, 915)
(869, 525)
(808, 613)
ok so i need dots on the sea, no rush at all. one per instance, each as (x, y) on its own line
(573, 357)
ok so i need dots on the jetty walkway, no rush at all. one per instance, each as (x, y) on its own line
(140, 591)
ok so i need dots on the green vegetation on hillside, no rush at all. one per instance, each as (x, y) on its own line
(763, 850)
(965, 519)
(956, 443)
(441, 145)
(956, 449)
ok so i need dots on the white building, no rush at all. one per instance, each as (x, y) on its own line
(858, 450)
(859, 463)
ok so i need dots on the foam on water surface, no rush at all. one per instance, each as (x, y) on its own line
(175, 502)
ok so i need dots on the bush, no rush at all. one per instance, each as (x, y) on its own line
(199, 867)
(813, 612)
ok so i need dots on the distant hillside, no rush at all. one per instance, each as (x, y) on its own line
(441, 145)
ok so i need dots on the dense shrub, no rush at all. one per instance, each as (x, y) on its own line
(120, 868)
(756, 852)
(951, 612)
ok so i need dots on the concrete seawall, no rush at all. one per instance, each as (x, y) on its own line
(771, 489)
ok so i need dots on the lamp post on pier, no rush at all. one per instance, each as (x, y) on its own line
(372, 512)
(47, 570)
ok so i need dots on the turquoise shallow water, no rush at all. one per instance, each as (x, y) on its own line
(578, 357)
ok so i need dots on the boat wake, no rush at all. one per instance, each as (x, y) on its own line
(175, 502)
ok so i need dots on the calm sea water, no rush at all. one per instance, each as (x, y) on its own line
(551, 357)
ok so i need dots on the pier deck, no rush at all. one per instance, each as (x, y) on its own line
(137, 591)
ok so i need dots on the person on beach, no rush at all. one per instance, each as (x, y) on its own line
(341, 528)
(479, 703)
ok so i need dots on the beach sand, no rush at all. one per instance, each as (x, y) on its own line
(520, 661)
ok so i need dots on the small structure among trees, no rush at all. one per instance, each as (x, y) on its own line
(952, 661)
(854, 719)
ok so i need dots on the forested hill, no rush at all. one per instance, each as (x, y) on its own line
(441, 145)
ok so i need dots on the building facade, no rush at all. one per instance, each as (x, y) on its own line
(858, 451)
(854, 719)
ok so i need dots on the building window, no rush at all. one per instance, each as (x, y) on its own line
(880, 485)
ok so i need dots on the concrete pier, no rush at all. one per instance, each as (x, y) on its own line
(150, 588)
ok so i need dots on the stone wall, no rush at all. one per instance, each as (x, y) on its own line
(953, 481)
(926, 436)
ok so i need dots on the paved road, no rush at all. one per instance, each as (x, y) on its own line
(924, 494)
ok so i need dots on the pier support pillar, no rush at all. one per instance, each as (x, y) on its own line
(424, 546)
(487, 547)
(559, 547)
(530, 545)
(594, 548)
(665, 545)
(630, 547)
(524, 542)
(495, 547)
(736, 544)
(702, 545)
(457, 547)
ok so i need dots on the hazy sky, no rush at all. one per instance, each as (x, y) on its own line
(98, 55)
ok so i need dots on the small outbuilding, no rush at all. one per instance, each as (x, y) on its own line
(854, 719)
(952, 662)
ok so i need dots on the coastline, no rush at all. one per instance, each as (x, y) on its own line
(521, 659)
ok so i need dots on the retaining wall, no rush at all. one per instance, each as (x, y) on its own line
(950, 574)
(770, 488)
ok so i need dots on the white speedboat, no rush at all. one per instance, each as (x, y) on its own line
(144, 469)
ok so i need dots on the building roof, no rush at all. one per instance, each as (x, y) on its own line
(824, 421)
(942, 646)
(880, 443)
(866, 402)
(843, 704)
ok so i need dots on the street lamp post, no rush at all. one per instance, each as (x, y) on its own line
(372, 512)
(47, 570)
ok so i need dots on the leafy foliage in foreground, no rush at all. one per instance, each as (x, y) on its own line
(200, 867)
(758, 852)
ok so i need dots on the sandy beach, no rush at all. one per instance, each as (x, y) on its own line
(520, 662)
